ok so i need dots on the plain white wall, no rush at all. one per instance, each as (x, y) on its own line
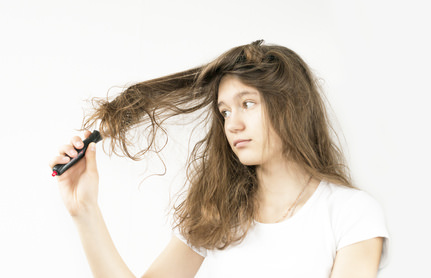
(373, 56)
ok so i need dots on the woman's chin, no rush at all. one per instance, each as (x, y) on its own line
(249, 161)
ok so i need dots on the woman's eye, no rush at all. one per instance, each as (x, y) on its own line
(225, 113)
(248, 104)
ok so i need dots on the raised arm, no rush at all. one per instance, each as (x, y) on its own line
(79, 191)
(177, 260)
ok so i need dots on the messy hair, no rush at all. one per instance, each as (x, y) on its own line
(220, 204)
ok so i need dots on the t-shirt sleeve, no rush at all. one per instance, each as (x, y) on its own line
(200, 251)
(360, 218)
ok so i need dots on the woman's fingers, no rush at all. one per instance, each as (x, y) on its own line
(77, 142)
(61, 159)
(90, 156)
(68, 151)
(87, 133)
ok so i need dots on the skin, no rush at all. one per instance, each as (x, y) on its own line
(280, 181)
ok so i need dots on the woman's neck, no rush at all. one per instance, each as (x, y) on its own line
(279, 186)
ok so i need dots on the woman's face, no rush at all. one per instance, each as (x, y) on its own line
(246, 126)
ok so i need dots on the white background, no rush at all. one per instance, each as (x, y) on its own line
(372, 55)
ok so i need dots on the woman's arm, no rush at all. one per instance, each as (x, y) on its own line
(79, 188)
(102, 256)
(177, 260)
(359, 260)
(79, 191)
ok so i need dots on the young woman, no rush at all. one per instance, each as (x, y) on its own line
(268, 192)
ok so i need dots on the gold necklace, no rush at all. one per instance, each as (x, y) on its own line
(292, 208)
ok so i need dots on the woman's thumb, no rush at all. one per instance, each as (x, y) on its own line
(90, 157)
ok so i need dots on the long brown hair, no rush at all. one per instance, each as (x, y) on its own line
(220, 203)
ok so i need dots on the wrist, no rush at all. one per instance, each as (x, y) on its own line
(87, 214)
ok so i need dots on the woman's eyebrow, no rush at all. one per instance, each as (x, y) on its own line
(239, 95)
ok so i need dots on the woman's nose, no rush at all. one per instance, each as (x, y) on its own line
(235, 123)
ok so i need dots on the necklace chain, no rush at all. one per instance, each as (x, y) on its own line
(292, 208)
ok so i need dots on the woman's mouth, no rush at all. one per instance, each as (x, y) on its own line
(241, 143)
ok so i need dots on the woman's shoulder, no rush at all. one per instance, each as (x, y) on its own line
(346, 204)
(354, 213)
(355, 216)
(341, 195)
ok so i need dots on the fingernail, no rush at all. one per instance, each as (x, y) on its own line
(92, 147)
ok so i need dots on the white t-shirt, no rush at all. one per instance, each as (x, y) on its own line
(304, 245)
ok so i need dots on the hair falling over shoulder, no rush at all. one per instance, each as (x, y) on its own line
(220, 203)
